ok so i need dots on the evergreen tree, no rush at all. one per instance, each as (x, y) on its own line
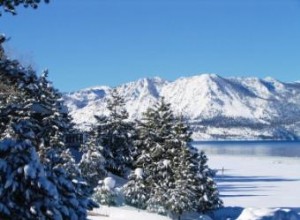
(92, 163)
(114, 133)
(157, 152)
(182, 194)
(209, 199)
(105, 192)
(25, 190)
(153, 131)
(203, 187)
(2, 40)
(171, 165)
(135, 191)
(36, 101)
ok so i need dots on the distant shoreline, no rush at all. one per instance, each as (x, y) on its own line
(244, 141)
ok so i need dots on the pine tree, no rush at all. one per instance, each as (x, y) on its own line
(36, 101)
(135, 191)
(208, 190)
(25, 190)
(2, 52)
(92, 163)
(153, 131)
(182, 194)
(203, 187)
(171, 165)
(113, 133)
(156, 154)
(105, 192)
(55, 154)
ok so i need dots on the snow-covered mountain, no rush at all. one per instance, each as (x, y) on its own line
(215, 107)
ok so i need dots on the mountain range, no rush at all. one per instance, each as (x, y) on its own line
(216, 108)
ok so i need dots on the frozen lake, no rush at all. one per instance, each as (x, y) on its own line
(256, 174)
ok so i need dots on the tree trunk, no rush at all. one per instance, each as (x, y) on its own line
(179, 217)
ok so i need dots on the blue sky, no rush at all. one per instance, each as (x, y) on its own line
(109, 42)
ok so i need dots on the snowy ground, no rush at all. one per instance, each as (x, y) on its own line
(267, 188)
(124, 213)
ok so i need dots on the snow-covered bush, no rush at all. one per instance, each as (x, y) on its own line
(105, 192)
(135, 191)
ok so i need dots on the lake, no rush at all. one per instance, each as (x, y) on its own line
(255, 148)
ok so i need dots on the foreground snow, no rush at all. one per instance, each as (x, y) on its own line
(123, 213)
(129, 213)
(266, 187)
(272, 214)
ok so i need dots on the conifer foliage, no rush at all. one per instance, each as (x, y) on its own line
(10, 5)
(172, 177)
(136, 192)
(210, 199)
(43, 175)
(114, 133)
(25, 190)
(105, 193)
(92, 163)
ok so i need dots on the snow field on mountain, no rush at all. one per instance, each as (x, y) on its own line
(266, 187)
(230, 108)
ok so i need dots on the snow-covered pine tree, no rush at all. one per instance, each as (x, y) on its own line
(202, 184)
(2, 52)
(182, 195)
(171, 165)
(92, 163)
(54, 122)
(156, 154)
(113, 133)
(208, 190)
(135, 191)
(105, 192)
(25, 190)
(163, 181)
(154, 129)
(34, 99)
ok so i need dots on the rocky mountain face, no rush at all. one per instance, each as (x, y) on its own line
(217, 108)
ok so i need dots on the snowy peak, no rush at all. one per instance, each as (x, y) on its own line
(143, 87)
(141, 94)
(208, 94)
(216, 107)
(84, 97)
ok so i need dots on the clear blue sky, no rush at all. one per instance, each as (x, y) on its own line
(109, 42)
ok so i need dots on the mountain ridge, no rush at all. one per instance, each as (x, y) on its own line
(217, 108)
